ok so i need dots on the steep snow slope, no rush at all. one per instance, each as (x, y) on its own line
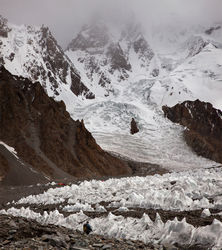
(189, 69)
(201, 75)
(33, 52)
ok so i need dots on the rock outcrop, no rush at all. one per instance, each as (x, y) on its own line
(3, 27)
(203, 127)
(44, 135)
(134, 129)
(212, 29)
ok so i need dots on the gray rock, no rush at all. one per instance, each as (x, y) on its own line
(106, 247)
(57, 242)
(46, 237)
(64, 237)
(129, 242)
(170, 247)
(98, 245)
(78, 248)
(13, 231)
(67, 239)
(6, 242)
(12, 224)
(173, 182)
(10, 237)
(54, 241)
(81, 243)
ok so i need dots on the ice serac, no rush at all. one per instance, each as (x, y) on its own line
(44, 135)
(34, 53)
(106, 55)
(203, 123)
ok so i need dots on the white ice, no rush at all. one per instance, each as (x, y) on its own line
(181, 191)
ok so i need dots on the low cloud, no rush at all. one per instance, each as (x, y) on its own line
(65, 17)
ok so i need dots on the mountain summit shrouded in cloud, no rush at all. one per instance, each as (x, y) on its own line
(66, 17)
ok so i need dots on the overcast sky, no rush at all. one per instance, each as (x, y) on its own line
(65, 17)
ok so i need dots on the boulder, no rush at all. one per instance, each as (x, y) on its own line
(134, 129)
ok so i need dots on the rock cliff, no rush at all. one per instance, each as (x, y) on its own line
(203, 127)
(45, 137)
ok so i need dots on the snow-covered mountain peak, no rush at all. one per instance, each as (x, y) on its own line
(91, 36)
(106, 54)
(131, 31)
(34, 53)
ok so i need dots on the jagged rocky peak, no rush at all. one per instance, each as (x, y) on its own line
(58, 62)
(107, 51)
(131, 31)
(195, 44)
(33, 52)
(203, 123)
(91, 36)
(134, 34)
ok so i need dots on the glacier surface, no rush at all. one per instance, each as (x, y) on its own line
(182, 191)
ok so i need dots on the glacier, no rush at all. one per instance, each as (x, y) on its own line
(179, 191)
(187, 66)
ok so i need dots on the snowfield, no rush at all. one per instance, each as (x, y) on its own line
(182, 191)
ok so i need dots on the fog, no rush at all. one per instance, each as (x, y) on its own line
(65, 17)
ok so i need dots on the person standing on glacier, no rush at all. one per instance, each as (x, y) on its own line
(87, 228)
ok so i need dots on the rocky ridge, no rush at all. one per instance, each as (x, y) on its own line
(203, 125)
(45, 137)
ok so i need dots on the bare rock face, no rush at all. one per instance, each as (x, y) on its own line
(117, 58)
(134, 129)
(44, 135)
(195, 45)
(3, 27)
(4, 166)
(59, 65)
(204, 127)
(212, 29)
